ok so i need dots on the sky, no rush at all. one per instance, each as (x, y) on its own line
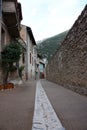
(50, 17)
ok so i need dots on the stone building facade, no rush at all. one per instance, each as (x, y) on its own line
(10, 18)
(68, 66)
(31, 53)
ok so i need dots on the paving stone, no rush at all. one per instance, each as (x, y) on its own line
(45, 117)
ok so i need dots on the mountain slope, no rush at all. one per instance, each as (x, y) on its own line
(48, 46)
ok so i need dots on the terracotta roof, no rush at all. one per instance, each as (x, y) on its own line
(31, 35)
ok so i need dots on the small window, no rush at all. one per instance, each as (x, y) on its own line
(30, 58)
(23, 58)
(2, 38)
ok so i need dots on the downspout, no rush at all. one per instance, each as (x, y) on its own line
(27, 56)
(0, 36)
(0, 24)
(0, 8)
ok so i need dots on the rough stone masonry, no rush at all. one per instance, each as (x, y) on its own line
(68, 65)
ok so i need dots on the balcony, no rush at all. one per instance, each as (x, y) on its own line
(12, 16)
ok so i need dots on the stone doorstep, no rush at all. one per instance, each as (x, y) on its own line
(16, 82)
(45, 117)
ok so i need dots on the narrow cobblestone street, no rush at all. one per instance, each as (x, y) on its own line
(17, 106)
(43, 65)
(70, 107)
(45, 117)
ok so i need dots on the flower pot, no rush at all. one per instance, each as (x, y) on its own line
(1, 87)
(8, 86)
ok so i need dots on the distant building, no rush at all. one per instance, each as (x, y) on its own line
(41, 68)
(31, 53)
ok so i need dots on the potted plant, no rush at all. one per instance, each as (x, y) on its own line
(10, 55)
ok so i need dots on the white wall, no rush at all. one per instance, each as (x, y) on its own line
(30, 66)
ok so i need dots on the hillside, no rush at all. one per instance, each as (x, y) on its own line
(48, 46)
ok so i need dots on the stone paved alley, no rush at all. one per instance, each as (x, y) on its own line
(17, 106)
(45, 117)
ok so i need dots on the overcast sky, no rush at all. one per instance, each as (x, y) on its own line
(50, 17)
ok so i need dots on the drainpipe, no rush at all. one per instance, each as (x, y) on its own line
(0, 7)
(0, 24)
(0, 35)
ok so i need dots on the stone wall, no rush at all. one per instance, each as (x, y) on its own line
(68, 66)
(8, 6)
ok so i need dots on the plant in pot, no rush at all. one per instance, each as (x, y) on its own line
(10, 55)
